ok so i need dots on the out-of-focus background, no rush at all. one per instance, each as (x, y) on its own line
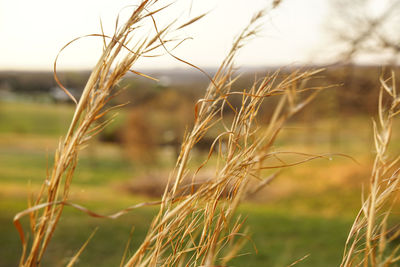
(307, 210)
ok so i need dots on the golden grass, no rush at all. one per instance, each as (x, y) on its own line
(194, 228)
(201, 228)
(46, 210)
(368, 243)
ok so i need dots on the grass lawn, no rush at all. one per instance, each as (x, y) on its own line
(280, 237)
(31, 118)
(308, 210)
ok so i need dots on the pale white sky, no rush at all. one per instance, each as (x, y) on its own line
(32, 32)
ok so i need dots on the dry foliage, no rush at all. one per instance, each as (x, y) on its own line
(193, 228)
(46, 209)
(368, 243)
(200, 228)
(196, 229)
(138, 137)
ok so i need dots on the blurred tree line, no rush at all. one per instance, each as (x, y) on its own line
(158, 113)
(354, 85)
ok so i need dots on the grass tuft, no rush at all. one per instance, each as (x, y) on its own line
(370, 237)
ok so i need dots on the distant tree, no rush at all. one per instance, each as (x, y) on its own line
(366, 27)
(138, 136)
(359, 29)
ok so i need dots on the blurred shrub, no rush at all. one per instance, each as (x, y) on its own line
(138, 136)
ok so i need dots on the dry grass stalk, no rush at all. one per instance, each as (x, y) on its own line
(368, 243)
(46, 210)
(197, 229)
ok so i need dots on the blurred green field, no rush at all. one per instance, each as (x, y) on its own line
(308, 210)
(281, 236)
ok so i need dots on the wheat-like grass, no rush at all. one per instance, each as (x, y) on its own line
(46, 210)
(368, 242)
(199, 228)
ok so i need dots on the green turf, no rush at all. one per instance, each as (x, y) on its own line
(280, 237)
(282, 231)
(31, 118)
(90, 170)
